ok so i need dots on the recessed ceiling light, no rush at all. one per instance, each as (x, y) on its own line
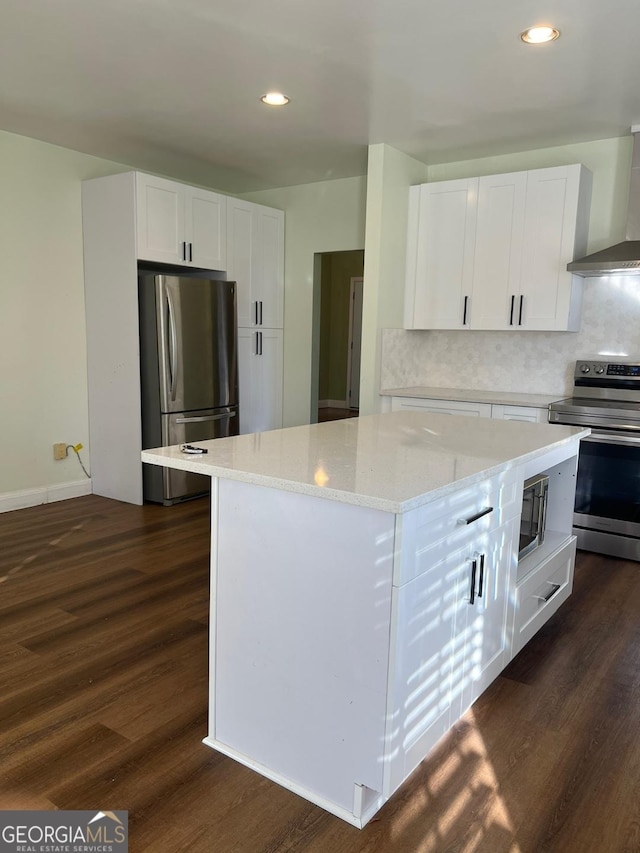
(275, 99)
(539, 35)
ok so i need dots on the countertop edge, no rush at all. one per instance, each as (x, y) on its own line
(355, 499)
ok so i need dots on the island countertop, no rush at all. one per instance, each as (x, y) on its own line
(394, 462)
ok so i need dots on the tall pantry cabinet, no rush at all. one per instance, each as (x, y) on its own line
(134, 218)
(255, 259)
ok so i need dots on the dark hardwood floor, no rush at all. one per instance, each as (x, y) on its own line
(103, 702)
(328, 413)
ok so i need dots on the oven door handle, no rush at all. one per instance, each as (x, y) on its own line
(613, 438)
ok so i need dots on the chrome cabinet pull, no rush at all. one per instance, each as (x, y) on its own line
(554, 588)
(475, 517)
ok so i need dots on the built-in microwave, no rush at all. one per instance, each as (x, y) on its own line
(534, 513)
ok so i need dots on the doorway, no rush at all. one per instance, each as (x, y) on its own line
(337, 328)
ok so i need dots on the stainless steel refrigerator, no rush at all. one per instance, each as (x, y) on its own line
(189, 372)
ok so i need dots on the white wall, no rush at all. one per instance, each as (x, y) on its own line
(538, 362)
(43, 391)
(328, 216)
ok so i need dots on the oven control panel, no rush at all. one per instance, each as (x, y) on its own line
(605, 369)
(623, 370)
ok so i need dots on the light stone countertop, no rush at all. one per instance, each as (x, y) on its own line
(393, 462)
(498, 398)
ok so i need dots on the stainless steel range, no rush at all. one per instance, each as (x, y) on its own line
(607, 509)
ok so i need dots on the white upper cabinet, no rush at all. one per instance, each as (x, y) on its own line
(555, 232)
(491, 252)
(255, 253)
(440, 250)
(499, 236)
(179, 224)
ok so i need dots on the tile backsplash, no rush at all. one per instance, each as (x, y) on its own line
(533, 362)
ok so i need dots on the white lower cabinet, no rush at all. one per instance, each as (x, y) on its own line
(260, 356)
(482, 639)
(531, 414)
(445, 407)
(346, 641)
(542, 592)
(452, 622)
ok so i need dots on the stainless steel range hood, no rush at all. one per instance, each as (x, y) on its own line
(624, 257)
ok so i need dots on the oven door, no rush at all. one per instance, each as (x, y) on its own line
(608, 484)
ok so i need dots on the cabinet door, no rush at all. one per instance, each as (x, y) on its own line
(498, 252)
(423, 613)
(206, 228)
(260, 379)
(549, 241)
(269, 291)
(255, 257)
(160, 219)
(440, 254)
(482, 642)
(242, 255)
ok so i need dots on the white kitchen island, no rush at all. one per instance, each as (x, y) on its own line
(366, 588)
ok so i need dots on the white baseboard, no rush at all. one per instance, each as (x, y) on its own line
(46, 494)
(333, 404)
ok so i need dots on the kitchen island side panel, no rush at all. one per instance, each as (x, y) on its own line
(300, 635)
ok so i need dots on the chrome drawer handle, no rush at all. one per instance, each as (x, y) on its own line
(554, 588)
(475, 517)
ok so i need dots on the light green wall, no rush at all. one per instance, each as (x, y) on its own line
(608, 159)
(390, 174)
(327, 216)
(43, 393)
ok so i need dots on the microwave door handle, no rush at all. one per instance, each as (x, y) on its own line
(542, 516)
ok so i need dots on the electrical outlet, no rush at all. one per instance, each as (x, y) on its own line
(60, 451)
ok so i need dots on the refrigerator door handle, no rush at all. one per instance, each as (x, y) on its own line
(173, 346)
(202, 418)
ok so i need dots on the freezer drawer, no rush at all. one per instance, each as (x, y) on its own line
(168, 486)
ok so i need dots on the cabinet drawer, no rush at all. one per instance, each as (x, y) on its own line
(529, 414)
(429, 533)
(446, 407)
(542, 592)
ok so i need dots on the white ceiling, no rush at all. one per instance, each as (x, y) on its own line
(173, 85)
